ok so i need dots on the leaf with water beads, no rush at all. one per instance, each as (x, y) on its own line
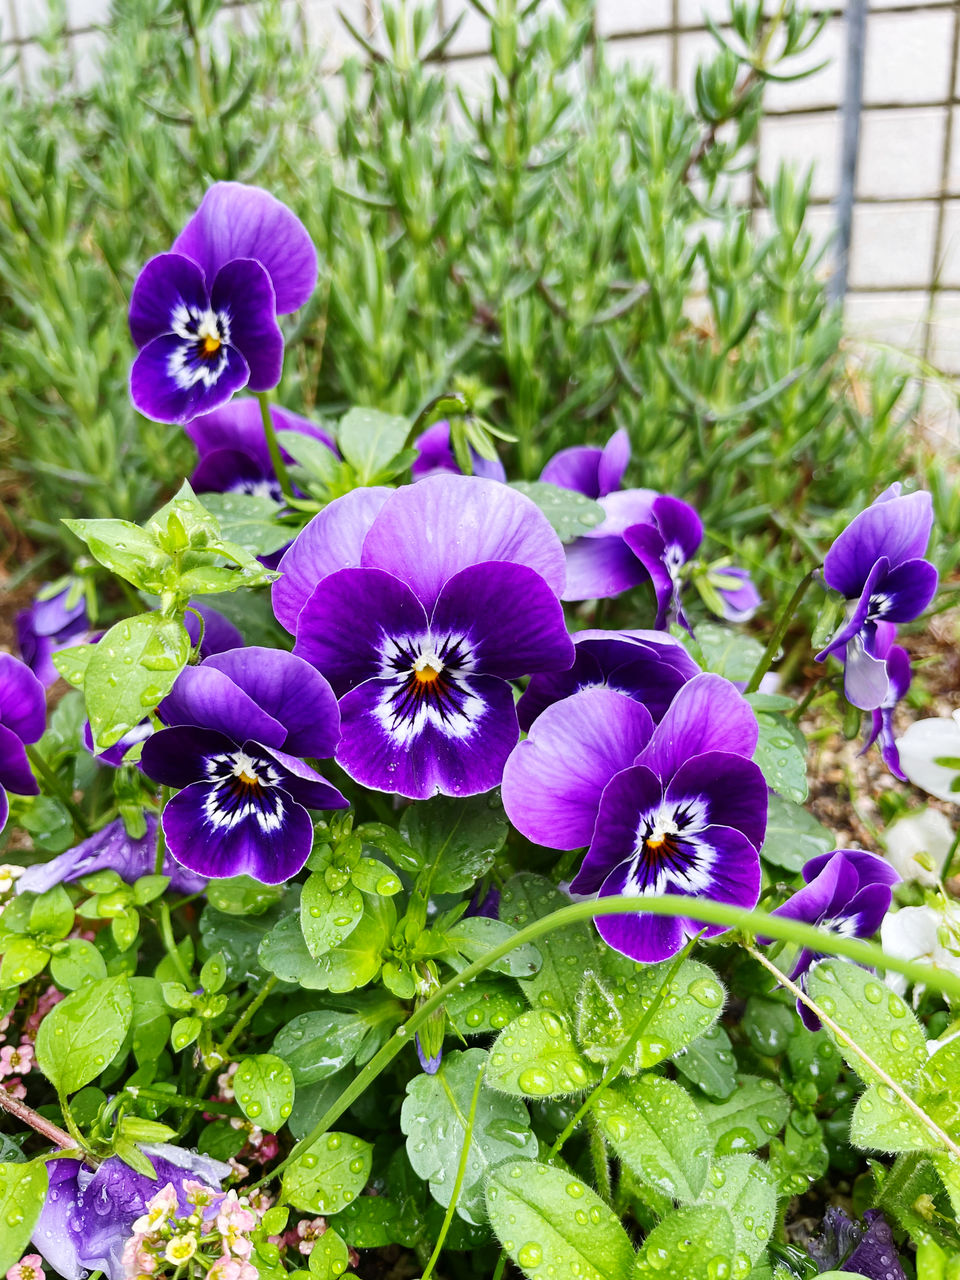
(457, 838)
(746, 1188)
(484, 1005)
(329, 1256)
(571, 514)
(552, 1225)
(434, 1118)
(709, 1063)
(83, 1033)
(691, 1242)
(328, 916)
(793, 835)
(781, 756)
(536, 1057)
(749, 1118)
(264, 1090)
(23, 1189)
(132, 668)
(329, 1175)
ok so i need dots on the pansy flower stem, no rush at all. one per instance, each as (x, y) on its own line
(458, 1181)
(779, 631)
(57, 789)
(441, 406)
(273, 445)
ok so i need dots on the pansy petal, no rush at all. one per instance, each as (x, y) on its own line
(865, 681)
(4, 808)
(176, 757)
(429, 531)
(269, 841)
(599, 568)
(513, 621)
(434, 455)
(219, 633)
(708, 714)
(15, 772)
(289, 690)
(332, 540)
(868, 908)
(239, 425)
(614, 460)
(553, 781)
(167, 383)
(207, 697)
(23, 703)
(58, 1234)
(346, 625)
(544, 690)
(679, 524)
(306, 786)
(167, 283)
(647, 544)
(626, 798)
(623, 509)
(645, 938)
(869, 867)
(233, 471)
(576, 468)
(855, 619)
(816, 900)
(897, 528)
(733, 789)
(908, 589)
(734, 875)
(239, 221)
(462, 758)
(243, 292)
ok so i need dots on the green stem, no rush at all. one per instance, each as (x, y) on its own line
(181, 1103)
(276, 458)
(71, 1124)
(458, 1181)
(845, 1039)
(598, 1156)
(501, 1266)
(948, 861)
(703, 911)
(161, 852)
(779, 631)
(244, 1020)
(165, 926)
(808, 697)
(57, 788)
(441, 406)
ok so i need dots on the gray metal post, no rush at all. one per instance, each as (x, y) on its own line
(856, 22)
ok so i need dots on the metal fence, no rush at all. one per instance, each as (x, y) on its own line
(897, 189)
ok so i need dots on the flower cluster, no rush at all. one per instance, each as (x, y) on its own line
(212, 1230)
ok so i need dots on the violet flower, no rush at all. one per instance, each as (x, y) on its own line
(110, 849)
(677, 807)
(849, 892)
(898, 683)
(740, 602)
(867, 1250)
(23, 718)
(88, 1215)
(238, 723)
(435, 456)
(204, 315)
(419, 606)
(877, 565)
(234, 457)
(52, 622)
(589, 469)
(648, 666)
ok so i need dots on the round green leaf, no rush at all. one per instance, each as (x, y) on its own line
(264, 1090)
(571, 513)
(316, 1044)
(22, 960)
(79, 961)
(690, 1242)
(749, 1118)
(327, 918)
(329, 1256)
(535, 1057)
(329, 1175)
(82, 1035)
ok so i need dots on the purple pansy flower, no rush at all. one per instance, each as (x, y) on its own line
(898, 676)
(419, 606)
(867, 1250)
(677, 807)
(88, 1215)
(847, 891)
(204, 315)
(648, 666)
(740, 602)
(234, 457)
(110, 849)
(435, 456)
(53, 622)
(589, 469)
(23, 718)
(238, 724)
(877, 565)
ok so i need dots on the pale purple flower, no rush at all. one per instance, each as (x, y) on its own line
(677, 807)
(23, 718)
(741, 602)
(877, 565)
(898, 683)
(435, 456)
(239, 724)
(204, 315)
(419, 606)
(589, 469)
(51, 623)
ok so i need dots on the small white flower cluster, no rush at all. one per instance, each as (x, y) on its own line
(214, 1237)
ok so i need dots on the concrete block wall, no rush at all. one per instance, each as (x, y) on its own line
(904, 279)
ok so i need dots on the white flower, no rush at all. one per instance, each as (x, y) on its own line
(925, 832)
(924, 743)
(920, 933)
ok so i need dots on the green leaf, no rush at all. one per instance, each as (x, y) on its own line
(353, 963)
(571, 514)
(551, 1224)
(316, 1044)
(458, 839)
(125, 549)
(264, 1090)
(22, 960)
(369, 440)
(565, 953)
(674, 1157)
(51, 915)
(72, 663)
(728, 651)
(709, 1063)
(794, 836)
(702, 1238)
(79, 961)
(329, 1257)
(749, 1118)
(781, 756)
(82, 1035)
(329, 1175)
(536, 1057)
(326, 917)
(882, 1122)
(473, 936)
(873, 1016)
(284, 953)
(484, 1005)
(23, 1190)
(250, 520)
(373, 876)
(434, 1119)
(133, 667)
(745, 1187)
(183, 1033)
(242, 895)
(151, 1020)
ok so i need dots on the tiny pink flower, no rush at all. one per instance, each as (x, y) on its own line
(199, 1194)
(310, 1233)
(269, 1148)
(225, 1082)
(227, 1268)
(15, 1087)
(159, 1208)
(138, 1258)
(30, 1267)
(16, 1061)
(233, 1216)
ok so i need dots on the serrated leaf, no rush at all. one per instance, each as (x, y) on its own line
(484, 1005)
(264, 1089)
(23, 1189)
(728, 652)
(369, 440)
(709, 1063)
(82, 1034)
(434, 1119)
(873, 1016)
(566, 954)
(781, 756)
(250, 520)
(745, 1187)
(329, 1175)
(571, 514)
(551, 1224)
(536, 1057)
(702, 1238)
(458, 839)
(674, 1157)
(133, 667)
(794, 836)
